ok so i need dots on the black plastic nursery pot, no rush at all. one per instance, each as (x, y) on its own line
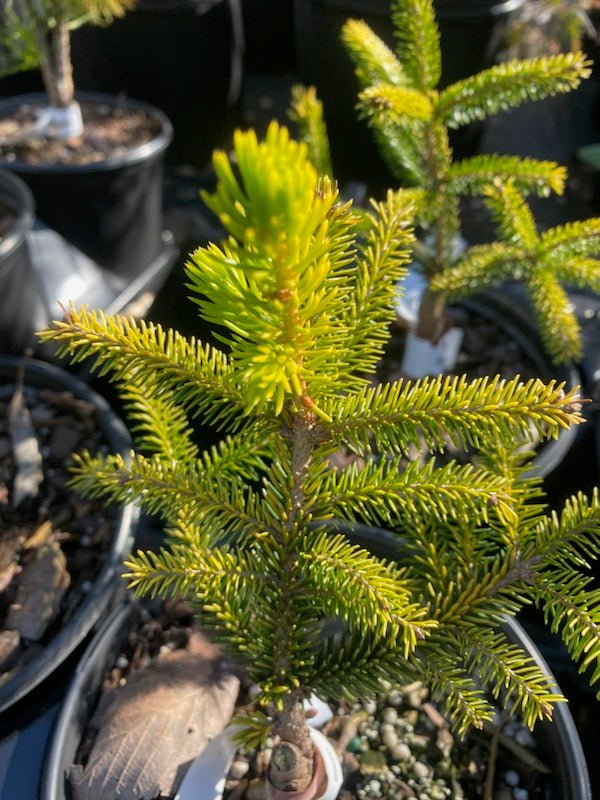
(558, 742)
(470, 31)
(512, 315)
(107, 581)
(182, 56)
(111, 210)
(269, 46)
(21, 305)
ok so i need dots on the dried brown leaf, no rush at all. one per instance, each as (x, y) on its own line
(42, 584)
(152, 728)
(10, 545)
(26, 449)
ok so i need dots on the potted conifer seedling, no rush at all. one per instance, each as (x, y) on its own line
(490, 318)
(411, 120)
(94, 163)
(260, 527)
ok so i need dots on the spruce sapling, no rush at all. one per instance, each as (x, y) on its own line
(303, 288)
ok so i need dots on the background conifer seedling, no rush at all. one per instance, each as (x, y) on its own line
(37, 33)
(411, 119)
(303, 288)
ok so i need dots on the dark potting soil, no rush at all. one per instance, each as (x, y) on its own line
(52, 545)
(109, 132)
(394, 747)
(7, 219)
(487, 349)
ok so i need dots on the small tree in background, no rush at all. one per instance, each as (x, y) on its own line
(411, 119)
(304, 290)
(37, 33)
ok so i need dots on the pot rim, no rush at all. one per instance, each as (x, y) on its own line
(509, 312)
(445, 9)
(107, 580)
(135, 155)
(18, 197)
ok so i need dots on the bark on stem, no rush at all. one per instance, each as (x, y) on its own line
(432, 316)
(62, 67)
(293, 761)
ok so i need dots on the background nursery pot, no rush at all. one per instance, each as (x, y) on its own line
(558, 741)
(110, 209)
(21, 305)
(183, 56)
(102, 589)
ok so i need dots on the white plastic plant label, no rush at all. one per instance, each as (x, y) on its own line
(59, 122)
(205, 779)
(422, 358)
(331, 761)
(323, 715)
(409, 293)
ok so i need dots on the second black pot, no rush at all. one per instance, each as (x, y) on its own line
(509, 311)
(112, 209)
(106, 583)
(182, 56)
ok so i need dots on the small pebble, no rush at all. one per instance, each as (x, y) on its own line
(511, 777)
(265, 755)
(122, 662)
(370, 706)
(395, 699)
(386, 727)
(354, 745)
(390, 715)
(520, 794)
(239, 768)
(390, 739)
(420, 770)
(411, 718)
(400, 752)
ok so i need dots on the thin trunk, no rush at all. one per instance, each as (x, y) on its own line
(293, 766)
(62, 67)
(432, 313)
(432, 316)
